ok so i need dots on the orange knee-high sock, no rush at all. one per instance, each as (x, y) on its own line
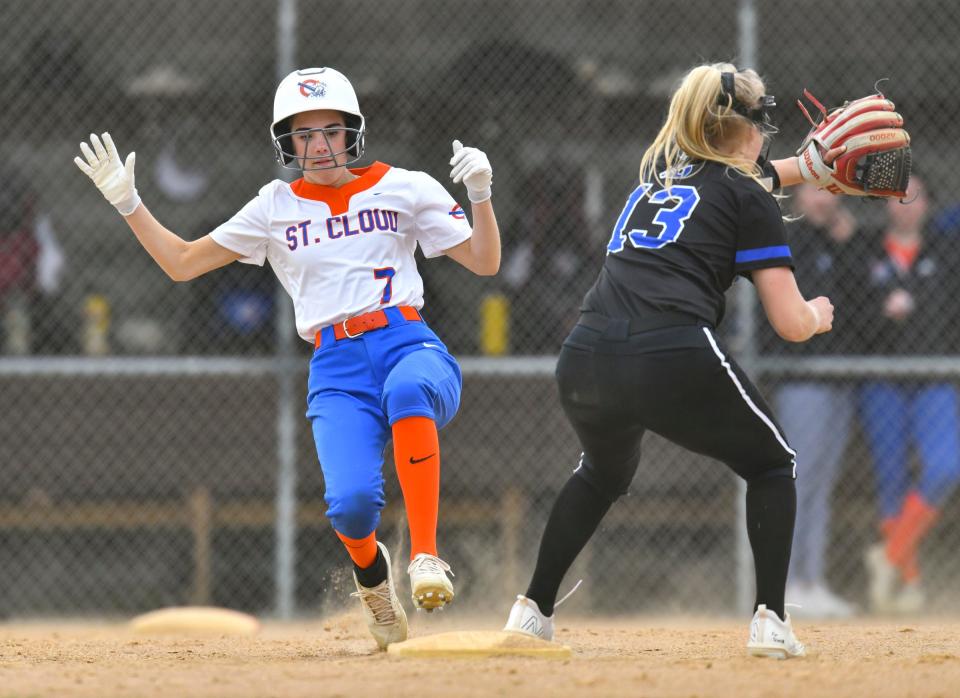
(887, 527)
(416, 452)
(363, 551)
(909, 571)
(915, 521)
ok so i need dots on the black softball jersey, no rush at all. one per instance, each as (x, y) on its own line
(643, 356)
(679, 250)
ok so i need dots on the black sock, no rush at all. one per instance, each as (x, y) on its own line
(374, 574)
(771, 511)
(575, 516)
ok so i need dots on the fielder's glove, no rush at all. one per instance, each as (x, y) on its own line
(113, 178)
(876, 162)
(472, 167)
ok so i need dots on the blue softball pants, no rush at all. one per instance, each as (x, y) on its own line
(816, 418)
(357, 388)
(892, 414)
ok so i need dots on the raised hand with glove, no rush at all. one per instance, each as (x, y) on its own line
(471, 166)
(875, 158)
(481, 253)
(180, 259)
(113, 178)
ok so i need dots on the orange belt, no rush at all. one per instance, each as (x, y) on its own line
(374, 320)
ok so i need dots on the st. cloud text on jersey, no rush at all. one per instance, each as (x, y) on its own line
(365, 220)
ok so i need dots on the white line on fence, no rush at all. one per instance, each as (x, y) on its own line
(811, 366)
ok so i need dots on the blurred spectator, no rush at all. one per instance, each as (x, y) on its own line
(816, 413)
(31, 265)
(550, 262)
(910, 291)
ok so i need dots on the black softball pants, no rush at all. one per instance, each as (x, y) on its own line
(678, 382)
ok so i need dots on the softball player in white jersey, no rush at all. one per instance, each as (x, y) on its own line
(342, 242)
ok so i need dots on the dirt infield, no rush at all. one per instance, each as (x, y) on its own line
(335, 657)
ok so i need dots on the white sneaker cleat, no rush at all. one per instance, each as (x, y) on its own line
(429, 585)
(829, 605)
(884, 578)
(911, 598)
(525, 618)
(817, 601)
(385, 617)
(800, 596)
(772, 637)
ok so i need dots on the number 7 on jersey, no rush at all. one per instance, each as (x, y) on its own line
(385, 273)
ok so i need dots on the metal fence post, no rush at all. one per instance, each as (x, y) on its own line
(746, 334)
(286, 392)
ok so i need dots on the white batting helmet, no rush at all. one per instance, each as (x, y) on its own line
(310, 89)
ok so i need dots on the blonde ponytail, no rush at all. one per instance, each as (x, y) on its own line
(700, 124)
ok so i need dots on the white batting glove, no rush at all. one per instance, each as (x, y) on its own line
(113, 179)
(471, 166)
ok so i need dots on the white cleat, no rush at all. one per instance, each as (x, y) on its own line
(772, 637)
(430, 587)
(910, 599)
(525, 618)
(817, 601)
(884, 579)
(385, 617)
(830, 605)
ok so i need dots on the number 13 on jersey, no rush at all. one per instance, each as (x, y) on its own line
(674, 206)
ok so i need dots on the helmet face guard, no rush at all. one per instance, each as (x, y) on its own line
(316, 89)
(286, 151)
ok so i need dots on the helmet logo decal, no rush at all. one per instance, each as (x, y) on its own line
(313, 88)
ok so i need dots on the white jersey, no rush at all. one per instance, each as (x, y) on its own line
(343, 251)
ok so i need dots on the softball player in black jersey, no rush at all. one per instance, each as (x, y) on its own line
(644, 356)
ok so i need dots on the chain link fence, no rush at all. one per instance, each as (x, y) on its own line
(151, 433)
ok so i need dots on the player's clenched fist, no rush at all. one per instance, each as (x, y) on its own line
(823, 309)
(471, 166)
(113, 178)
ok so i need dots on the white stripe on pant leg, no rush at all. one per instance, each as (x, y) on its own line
(580, 464)
(743, 393)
